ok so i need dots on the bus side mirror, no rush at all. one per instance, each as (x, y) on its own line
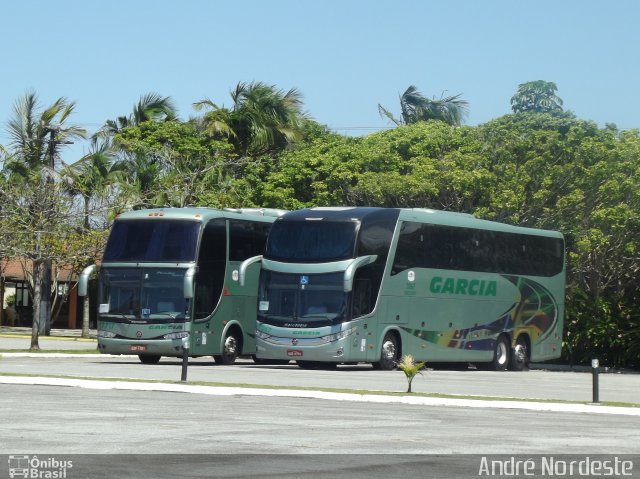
(245, 265)
(188, 282)
(83, 281)
(350, 272)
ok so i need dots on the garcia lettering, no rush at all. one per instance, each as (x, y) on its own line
(469, 287)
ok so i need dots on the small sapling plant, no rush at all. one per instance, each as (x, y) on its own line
(410, 368)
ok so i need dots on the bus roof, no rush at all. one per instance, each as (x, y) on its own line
(425, 215)
(465, 220)
(201, 214)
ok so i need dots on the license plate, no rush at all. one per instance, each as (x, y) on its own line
(138, 347)
(294, 352)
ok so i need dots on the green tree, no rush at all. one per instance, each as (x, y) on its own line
(536, 96)
(32, 235)
(93, 178)
(137, 173)
(538, 170)
(172, 163)
(415, 107)
(558, 172)
(263, 119)
(150, 107)
(36, 137)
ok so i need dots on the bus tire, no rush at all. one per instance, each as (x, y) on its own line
(500, 354)
(389, 353)
(521, 354)
(230, 349)
(149, 358)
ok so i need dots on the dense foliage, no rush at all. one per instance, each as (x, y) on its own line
(546, 170)
(535, 170)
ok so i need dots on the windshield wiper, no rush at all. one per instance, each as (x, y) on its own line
(315, 316)
(122, 316)
(171, 315)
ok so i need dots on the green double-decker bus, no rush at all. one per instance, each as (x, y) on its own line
(168, 281)
(350, 285)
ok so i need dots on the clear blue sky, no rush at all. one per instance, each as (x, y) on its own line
(344, 56)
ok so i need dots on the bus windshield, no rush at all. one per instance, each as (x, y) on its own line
(142, 295)
(294, 300)
(311, 241)
(152, 240)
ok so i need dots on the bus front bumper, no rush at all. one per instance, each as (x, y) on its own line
(160, 347)
(341, 350)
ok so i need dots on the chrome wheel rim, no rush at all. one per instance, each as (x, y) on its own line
(389, 350)
(502, 353)
(230, 346)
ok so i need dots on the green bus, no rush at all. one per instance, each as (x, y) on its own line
(168, 281)
(350, 285)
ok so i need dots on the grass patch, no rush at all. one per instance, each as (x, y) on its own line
(48, 338)
(330, 390)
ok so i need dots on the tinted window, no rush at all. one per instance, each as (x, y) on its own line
(148, 294)
(312, 241)
(411, 249)
(152, 240)
(320, 301)
(212, 262)
(247, 239)
(466, 249)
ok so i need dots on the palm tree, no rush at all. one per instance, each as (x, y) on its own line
(263, 119)
(415, 107)
(135, 173)
(140, 174)
(36, 136)
(536, 96)
(92, 176)
(150, 107)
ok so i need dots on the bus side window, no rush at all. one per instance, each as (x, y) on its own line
(410, 251)
(362, 303)
(247, 239)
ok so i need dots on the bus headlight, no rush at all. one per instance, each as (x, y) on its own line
(339, 335)
(176, 335)
(106, 334)
(261, 334)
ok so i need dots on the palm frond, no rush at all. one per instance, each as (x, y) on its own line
(386, 113)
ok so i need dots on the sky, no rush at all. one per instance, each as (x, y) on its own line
(344, 56)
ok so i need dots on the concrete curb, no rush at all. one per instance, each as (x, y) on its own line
(308, 394)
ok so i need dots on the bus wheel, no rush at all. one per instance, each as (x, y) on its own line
(520, 355)
(230, 350)
(149, 358)
(389, 353)
(500, 354)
